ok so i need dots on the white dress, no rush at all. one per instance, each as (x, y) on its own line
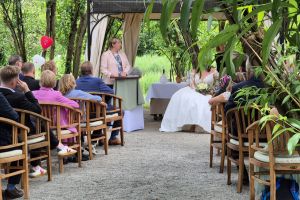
(188, 107)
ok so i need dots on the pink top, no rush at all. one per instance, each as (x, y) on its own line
(109, 65)
(50, 95)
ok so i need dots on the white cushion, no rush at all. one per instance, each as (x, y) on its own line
(112, 115)
(264, 157)
(63, 132)
(36, 140)
(11, 153)
(96, 123)
(218, 127)
(246, 144)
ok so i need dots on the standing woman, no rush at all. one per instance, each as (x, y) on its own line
(114, 62)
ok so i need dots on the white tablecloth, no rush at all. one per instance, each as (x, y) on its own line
(163, 90)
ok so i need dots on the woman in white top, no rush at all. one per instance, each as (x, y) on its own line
(188, 107)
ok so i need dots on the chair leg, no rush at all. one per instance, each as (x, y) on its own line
(252, 189)
(49, 166)
(25, 181)
(272, 185)
(61, 164)
(89, 141)
(1, 188)
(79, 156)
(241, 174)
(228, 167)
(106, 141)
(211, 151)
(122, 133)
(222, 157)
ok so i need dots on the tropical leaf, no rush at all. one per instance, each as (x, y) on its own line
(260, 18)
(294, 122)
(286, 99)
(297, 89)
(185, 14)
(196, 16)
(230, 67)
(258, 9)
(209, 22)
(268, 39)
(292, 143)
(148, 12)
(274, 10)
(275, 129)
(293, 9)
(167, 10)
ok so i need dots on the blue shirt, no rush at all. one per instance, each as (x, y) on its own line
(92, 84)
(81, 94)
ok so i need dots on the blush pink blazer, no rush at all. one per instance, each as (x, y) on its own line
(109, 66)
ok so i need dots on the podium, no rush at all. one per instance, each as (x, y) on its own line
(132, 102)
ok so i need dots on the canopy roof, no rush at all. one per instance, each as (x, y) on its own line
(136, 6)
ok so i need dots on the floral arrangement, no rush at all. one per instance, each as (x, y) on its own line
(204, 88)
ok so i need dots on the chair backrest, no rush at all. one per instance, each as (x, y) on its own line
(92, 110)
(218, 114)
(238, 119)
(114, 101)
(19, 135)
(57, 111)
(276, 146)
(41, 123)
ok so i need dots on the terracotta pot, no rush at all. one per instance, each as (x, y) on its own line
(178, 79)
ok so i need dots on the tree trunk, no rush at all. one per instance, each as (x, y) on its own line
(50, 20)
(79, 41)
(72, 35)
(15, 24)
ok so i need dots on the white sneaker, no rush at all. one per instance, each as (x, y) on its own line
(65, 150)
(37, 171)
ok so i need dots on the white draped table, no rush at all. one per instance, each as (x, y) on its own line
(159, 95)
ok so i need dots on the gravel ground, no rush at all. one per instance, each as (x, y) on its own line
(151, 165)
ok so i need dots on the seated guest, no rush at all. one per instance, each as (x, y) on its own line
(50, 65)
(22, 100)
(28, 71)
(224, 92)
(252, 81)
(16, 60)
(26, 101)
(8, 112)
(88, 83)
(67, 86)
(47, 94)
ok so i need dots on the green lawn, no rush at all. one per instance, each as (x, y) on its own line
(152, 67)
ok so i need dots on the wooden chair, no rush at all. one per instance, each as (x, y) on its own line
(272, 158)
(237, 139)
(40, 140)
(15, 152)
(94, 118)
(115, 114)
(53, 111)
(218, 133)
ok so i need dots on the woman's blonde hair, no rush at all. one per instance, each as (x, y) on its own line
(48, 79)
(66, 83)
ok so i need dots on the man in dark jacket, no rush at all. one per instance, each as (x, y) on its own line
(6, 139)
(28, 71)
